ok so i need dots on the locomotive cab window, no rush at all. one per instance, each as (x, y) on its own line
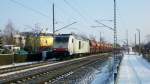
(79, 44)
(72, 40)
(61, 39)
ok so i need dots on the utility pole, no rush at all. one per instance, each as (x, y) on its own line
(127, 41)
(53, 20)
(139, 40)
(115, 68)
(100, 37)
(135, 38)
(115, 57)
(135, 43)
(115, 32)
(53, 24)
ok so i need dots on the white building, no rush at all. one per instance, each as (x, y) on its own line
(19, 40)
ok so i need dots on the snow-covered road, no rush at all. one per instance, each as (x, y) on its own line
(134, 70)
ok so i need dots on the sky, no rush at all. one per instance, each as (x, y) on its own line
(131, 14)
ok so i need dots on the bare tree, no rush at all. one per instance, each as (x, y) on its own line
(8, 33)
(92, 37)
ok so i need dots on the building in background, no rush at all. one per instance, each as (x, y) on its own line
(19, 40)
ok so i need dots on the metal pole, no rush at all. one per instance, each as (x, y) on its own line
(135, 39)
(127, 42)
(53, 21)
(135, 43)
(139, 42)
(115, 44)
(115, 27)
(115, 32)
(100, 37)
(53, 8)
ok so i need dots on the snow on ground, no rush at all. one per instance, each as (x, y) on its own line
(134, 70)
(104, 76)
(16, 64)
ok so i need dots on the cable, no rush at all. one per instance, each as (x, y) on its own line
(85, 13)
(74, 9)
(64, 13)
(29, 8)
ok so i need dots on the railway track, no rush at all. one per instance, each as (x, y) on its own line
(50, 72)
(17, 68)
(76, 75)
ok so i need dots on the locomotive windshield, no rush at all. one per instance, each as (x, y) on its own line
(61, 42)
(61, 39)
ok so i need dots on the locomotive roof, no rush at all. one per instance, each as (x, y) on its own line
(75, 35)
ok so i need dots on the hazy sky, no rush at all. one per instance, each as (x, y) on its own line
(131, 14)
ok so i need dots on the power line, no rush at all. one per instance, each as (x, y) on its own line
(65, 26)
(64, 13)
(84, 20)
(29, 8)
(104, 25)
(74, 9)
(83, 10)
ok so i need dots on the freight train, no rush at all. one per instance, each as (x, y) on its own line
(72, 44)
(61, 46)
(46, 47)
